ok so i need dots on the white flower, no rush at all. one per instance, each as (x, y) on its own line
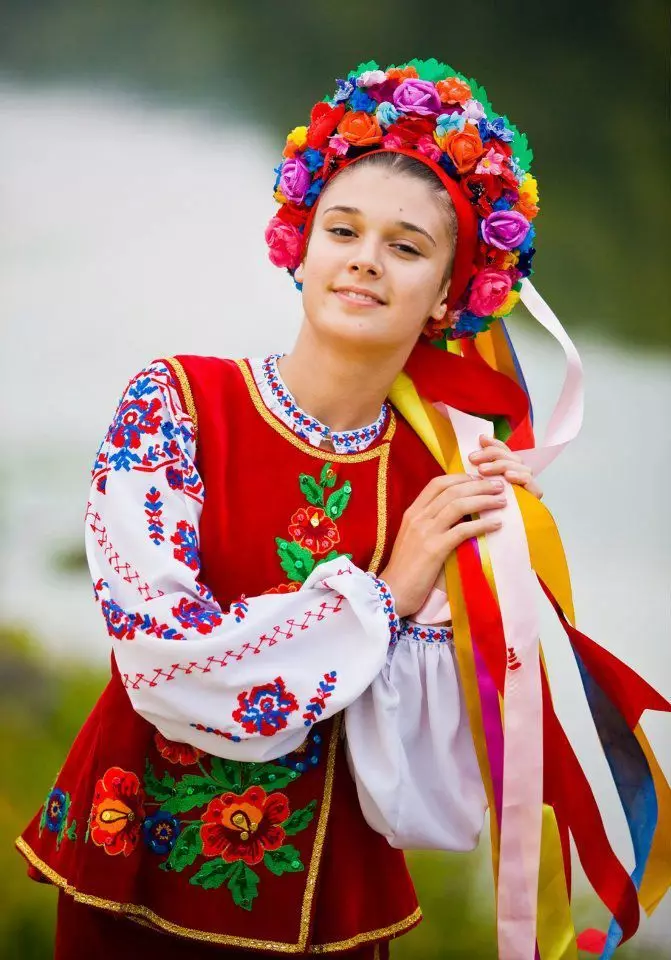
(370, 77)
(473, 110)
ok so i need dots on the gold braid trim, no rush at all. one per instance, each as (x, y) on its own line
(303, 445)
(180, 373)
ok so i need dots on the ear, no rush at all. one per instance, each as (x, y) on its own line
(439, 312)
(299, 272)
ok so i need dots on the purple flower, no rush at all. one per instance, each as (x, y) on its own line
(295, 179)
(418, 97)
(505, 229)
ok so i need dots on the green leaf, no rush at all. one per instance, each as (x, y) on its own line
(188, 846)
(61, 831)
(273, 776)
(295, 560)
(243, 884)
(213, 874)
(71, 832)
(159, 790)
(191, 791)
(285, 860)
(336, 503)
(328, 476)
(366, 67)
(299, 819)
(227, 773)
(311, 490)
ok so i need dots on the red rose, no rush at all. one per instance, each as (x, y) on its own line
(291, 214)
(410, 131)
(323, 121)
(482, 189)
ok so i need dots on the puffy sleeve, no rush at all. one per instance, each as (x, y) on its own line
(245, 683)
(410, 747)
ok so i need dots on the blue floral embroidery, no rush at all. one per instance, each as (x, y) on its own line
(186, 541)
(388, 605)
(306, 756)
(56, 809)
(426, 633)
(153, 507)
(193, 614)
(317, 704)
(240, 608)
(264, 709)
(160, 831)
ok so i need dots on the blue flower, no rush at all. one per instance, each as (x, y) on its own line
(361, 101)
(449, 121)
(313, 159)
(502, 204)
(55, 809)
(448, 166)
(314, 191)
(305, 756)
(526, 243)
(496, 128)
(469, 324)
(386, 114)
(524, 262)
(160, 831)
(344, 89)
(277, 170)
(265, 708)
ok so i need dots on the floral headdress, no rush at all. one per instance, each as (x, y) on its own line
(423, 107)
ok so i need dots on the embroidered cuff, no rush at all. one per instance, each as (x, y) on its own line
(410, 630)
(388, 605)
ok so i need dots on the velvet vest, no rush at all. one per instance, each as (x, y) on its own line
(335, 882)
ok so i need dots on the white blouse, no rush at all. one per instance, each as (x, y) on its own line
(248, 683)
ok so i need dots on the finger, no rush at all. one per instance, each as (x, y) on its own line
(525, 480)
(500, 466)
(455, 511)
(486, 441)
(438, 485)
(469, 529)
(494, 453)
(478, 486)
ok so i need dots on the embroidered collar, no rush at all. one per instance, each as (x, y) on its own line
(279, 400)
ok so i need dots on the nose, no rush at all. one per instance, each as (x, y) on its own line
(365, 261)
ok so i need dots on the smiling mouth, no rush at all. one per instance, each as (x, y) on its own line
(358, 297)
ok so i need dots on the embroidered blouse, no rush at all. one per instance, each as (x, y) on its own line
(410, 749)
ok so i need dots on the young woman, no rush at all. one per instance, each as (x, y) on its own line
(293, 698)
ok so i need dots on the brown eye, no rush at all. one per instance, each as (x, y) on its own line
(341, 231)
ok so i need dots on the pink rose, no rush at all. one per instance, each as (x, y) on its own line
(488, 291)
(285, 244)
(392, 142)
(418, 97)
(294, 179)
(429, 147)
(505, 229)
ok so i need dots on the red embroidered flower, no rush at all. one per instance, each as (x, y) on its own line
(243, 828)
(264, 709)
(182, 753)
(314, 530)
(117, 812)
(285, 587)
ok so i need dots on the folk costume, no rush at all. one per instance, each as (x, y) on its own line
(272, 732)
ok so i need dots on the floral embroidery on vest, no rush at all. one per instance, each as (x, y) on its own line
(55, 816)
(312, 528)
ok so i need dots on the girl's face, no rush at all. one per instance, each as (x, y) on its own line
(386, 235)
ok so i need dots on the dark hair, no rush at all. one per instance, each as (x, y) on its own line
(400, 163)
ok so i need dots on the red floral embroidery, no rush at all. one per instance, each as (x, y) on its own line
(182, 753)
(285, 588)
(265, 708)
(117, 812)
(314, 530)
(244, 827)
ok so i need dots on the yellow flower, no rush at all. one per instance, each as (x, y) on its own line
(298, 136)
(529, 187)
(279, 196)
(507, 304)
(509, 260)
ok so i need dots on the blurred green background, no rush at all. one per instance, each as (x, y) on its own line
(588, 83)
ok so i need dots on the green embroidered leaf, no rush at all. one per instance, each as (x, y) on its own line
(227, 773)
(189, 845)
(159, 790)
(328, 476)
(243, 884)
(191, 791)
(285, 860)
(299, 819)
(61, 831)
(311, 490)
(295, 560)
(336, 503)
(273, 776)
(71, 832)
(213, 874)
(332, 556)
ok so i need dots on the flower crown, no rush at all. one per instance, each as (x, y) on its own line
(427, 107)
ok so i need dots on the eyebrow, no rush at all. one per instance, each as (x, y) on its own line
(399, 223)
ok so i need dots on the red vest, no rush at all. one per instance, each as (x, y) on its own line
(128, 824)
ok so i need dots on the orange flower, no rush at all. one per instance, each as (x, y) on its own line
(285, 587)
(464, 149)
(117, 812)
(406, 73)
(360, 128)
(526, 206)
(182, 753)
(453, 90)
